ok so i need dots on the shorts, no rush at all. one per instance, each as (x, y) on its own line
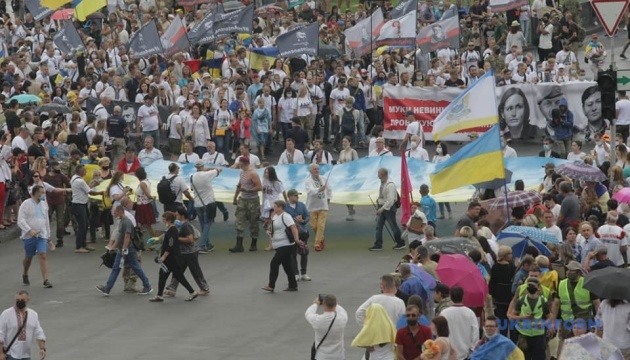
(34, 246)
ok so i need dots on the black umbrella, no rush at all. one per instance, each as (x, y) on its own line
(97, 15)
(58, 108)
(609, 283)
(452, 245)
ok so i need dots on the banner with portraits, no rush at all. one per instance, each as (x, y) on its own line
(524, 109)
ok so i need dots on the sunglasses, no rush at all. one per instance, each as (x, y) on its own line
(35, 176)
(411, 315)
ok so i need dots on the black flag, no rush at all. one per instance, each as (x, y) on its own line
(403, 7)
(145, 42)
(203, 33)
(239, 21)
(299, 41)
(68, 40)
(39, 12)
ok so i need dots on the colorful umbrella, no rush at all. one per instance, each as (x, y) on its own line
(515, 199)
(520, 242)
(623, 196)
(428, 281)
(26, 98)
(589, 347)
(530, 232)
(452, 245)
(581, 171)
(458, 270)
(609, 283)
(63, 14)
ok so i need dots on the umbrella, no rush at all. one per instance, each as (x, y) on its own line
(451, 245)
(589, 347)
(58, 108)
(458, 270)
(269, 8)
(623, 196)
(515, 199)
(229, 6)
(26, 98)
(427, 279)
(97, 15)
(581, 171)
(609, 283)
(328, 51)
(63, 14)
(520, 242)
(530, 232)
(496, 183)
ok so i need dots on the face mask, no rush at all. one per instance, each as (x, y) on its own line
(105, 167)
(42, 198)
(178, 223)
(573, 276)
(414, 144)
(57, 171)
(412, 322)
(582, 77)
(532, 290)
(41, 141)
(546, 147)
(490, 337)
(502, 145)
(21, 304)
(598, 143)
(438, 151)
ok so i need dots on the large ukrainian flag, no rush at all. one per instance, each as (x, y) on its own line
(83, 8)
(479, 161)
(54, 4)
(472, 108)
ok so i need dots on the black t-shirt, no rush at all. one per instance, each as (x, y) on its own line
(602, 264)
(116, 126)
(36, 150)
(185, 230)
(77, 140)
(13, 121)
(299, 135)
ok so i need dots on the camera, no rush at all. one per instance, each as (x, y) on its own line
(320, 297)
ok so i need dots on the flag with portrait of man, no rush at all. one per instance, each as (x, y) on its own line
(398, 32)
(145, 42)
(439, 35)
(68, 40)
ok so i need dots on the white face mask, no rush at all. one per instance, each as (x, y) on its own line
(414, 144)
(490, 336)
(438, 151)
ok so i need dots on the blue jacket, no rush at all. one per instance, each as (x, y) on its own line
(564, 129)
(300, 209)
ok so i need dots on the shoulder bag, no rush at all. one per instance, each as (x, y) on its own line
(415, 341)
(287, 230)
(315, 348)
(211, 208)
(5, 350)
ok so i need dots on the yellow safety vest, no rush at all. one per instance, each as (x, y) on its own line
(582, 298)
(522, 291)
(533, 327)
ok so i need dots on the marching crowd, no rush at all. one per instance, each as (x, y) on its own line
(319, 111)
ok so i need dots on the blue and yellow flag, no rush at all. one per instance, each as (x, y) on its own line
(83, 8)
(258, 55)
(54, 4)
(472, 108)
(479, 161)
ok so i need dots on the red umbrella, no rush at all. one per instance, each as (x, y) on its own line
(63, 14)
(458, 270)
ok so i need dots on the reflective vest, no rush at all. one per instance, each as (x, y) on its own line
(522, 291)
(582, 298)
(532, 327)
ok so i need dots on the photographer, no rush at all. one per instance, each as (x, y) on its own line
(329, 327)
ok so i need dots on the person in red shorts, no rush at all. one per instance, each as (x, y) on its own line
(410, 338)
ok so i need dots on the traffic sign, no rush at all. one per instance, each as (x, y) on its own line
(623, 80)
(610, 13)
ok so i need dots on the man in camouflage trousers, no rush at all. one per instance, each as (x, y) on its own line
(247, 205)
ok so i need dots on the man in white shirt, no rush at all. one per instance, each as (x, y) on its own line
(394, 306)
(20, 140)
(318, 195)
(291, 155)
(319, 155)
(413, 128)
(332, 321)
(149, 154)
(550, 225)
(380, 149)
(178, 187)
(174, 127)
(213, 156)
(149, 121)
(416, 151)
(11, 321)
(614, 238)
(100, 111)
(188, 156)
(254, 161)
(463, 324)
(337, 101)
(205, 206)
(79, 206)
(508, 152)
(622, 124)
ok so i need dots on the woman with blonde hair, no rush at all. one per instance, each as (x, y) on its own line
(304, 110)
(62, 146)
(531, 220)
(616, 174)
(39, 165)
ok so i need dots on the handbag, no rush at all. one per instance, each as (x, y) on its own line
(315, 348)
(287, 230)
(5, 350)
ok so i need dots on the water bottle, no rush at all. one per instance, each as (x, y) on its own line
(122, 262)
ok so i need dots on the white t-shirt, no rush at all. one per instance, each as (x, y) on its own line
(338, 98)
(612, 236)
(186, 158)
(545, 40)
(217, 158)
(623, 106)
(555, 231)
(149, 117)
(414, 128)
(418, 153)
(254, 160)
(279, 237)
(18, 142)
(394, 307)
(204, 194)
(464, 329)
(174, 121)
(113, 191)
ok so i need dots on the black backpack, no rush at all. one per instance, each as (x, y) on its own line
(347, 122)
(166, 195)
(136, 239)
(397, 202)
(83, 135)
(108, 259)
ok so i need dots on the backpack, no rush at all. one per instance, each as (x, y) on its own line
(165, 193)
(348, 122)
(397, 202)
(108, 259)
(136, 239)
(581, 34)
(83, 135)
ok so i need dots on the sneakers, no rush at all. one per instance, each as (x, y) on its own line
(156, 299)
(350, 217)
(146, 291)
(103, 290)
(25, 281)
(297, 277)
(400, 246)
(192, 296)
(59, 243)
(47, 284)
(89, 248)
(206, 250)
(305, 277)
(375, 248)
(81, 251)
(169, 293)
(226, 216)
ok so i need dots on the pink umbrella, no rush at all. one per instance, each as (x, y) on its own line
(63, 14)
(458, 270)
(623, 196)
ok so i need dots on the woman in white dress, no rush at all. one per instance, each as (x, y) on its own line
(348, 154)
(272, 188)
(441, 155)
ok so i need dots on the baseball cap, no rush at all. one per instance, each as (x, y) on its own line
(533, 280)
(206, 75)
(293, 192)
(574, 265)
(199, 164)
(93, 148)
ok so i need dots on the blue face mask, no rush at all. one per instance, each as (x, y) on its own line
(42, 198)
(178, 223)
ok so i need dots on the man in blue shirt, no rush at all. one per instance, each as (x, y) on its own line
(429, 206)
(299, 212)
(253, 89)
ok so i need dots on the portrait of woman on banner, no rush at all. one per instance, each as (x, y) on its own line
(513, 112)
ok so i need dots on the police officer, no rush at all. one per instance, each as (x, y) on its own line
(117, 129)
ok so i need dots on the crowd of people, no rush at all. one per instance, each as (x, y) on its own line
(309, 111)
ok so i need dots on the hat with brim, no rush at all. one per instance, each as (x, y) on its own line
(293, 192)
(574, 265)
(555, 92)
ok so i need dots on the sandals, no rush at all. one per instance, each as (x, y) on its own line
(267, 288)
(319, 247)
